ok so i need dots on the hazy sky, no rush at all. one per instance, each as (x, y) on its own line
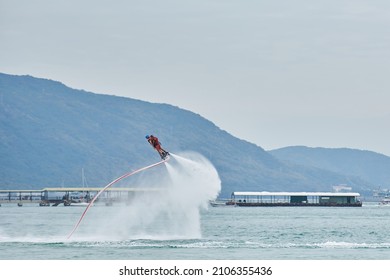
(275, 73)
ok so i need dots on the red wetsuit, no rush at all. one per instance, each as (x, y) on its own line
(155, 143)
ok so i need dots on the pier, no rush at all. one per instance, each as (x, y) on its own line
(71, 196)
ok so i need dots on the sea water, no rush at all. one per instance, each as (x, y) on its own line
(33, 232)
(177, 223)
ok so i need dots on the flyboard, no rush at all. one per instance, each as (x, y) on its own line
(109, 185)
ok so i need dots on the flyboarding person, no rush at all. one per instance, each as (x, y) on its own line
(157, 145)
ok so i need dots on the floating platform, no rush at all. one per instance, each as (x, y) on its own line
(302, 199)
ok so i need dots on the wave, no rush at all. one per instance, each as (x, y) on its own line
(352, 245)
(192, 244)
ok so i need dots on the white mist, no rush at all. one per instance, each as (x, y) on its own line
(185, 186)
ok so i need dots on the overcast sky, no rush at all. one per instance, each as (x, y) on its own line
(275, 73)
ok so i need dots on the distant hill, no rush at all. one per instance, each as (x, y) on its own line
(369, 166)
(49, 132)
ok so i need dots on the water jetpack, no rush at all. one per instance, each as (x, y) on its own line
(163, 154)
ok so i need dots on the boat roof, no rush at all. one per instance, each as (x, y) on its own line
(264, 193)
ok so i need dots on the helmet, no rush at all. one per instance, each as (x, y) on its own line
(147, 136)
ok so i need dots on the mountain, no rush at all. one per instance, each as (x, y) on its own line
(369, 166)
(50, 132)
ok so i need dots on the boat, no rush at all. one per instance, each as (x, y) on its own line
(81, 203)
(385, 201)
(221, 203)
(78, 198)
(44, 203)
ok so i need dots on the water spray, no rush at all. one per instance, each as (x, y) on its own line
(186, 186)
(109, 185)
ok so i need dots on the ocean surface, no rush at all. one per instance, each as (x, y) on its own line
(275, 233)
